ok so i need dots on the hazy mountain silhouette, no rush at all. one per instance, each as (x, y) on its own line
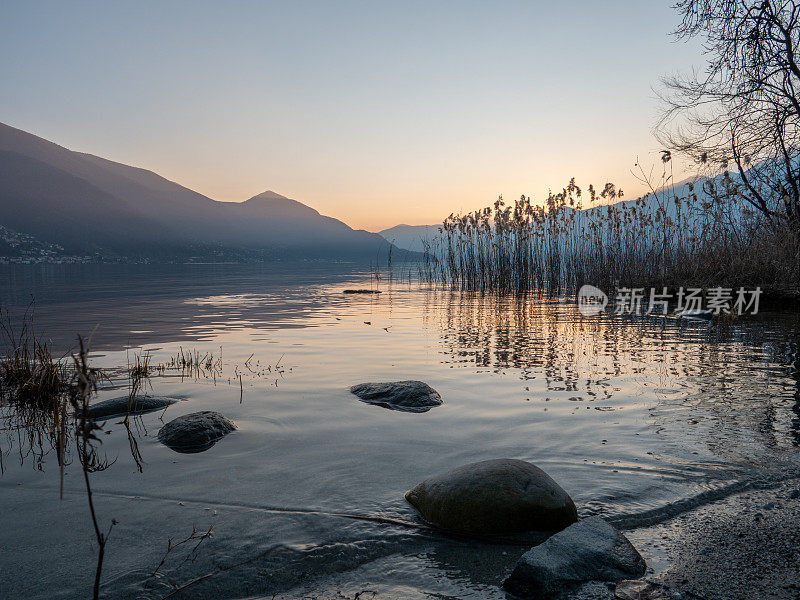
(89, 204)
(411, 237)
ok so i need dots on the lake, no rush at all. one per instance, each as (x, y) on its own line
(629, 414)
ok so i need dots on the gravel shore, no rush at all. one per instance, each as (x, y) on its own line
(745, 547)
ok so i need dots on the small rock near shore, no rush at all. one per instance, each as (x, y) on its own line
(589, 550)
(406, 396)
(119, 407)
(697, 314)
(195, 432)
(494, 497)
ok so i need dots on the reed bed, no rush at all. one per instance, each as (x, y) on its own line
(192, 363)
(29, 373)
(45, 407)
(672, 237)
(34, 393)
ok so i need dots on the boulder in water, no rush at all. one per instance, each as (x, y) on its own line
(195, 432)
(407, 396)
(589, 550)
(494, 497)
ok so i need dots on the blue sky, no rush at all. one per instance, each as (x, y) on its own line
(373, 112)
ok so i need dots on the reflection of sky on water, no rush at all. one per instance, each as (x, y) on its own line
(740, 379)
(628, 414)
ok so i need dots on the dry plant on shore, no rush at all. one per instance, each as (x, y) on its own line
(46, 402)
(28, 371)
(33, 392)
(84, 385)
(50, 399)
(701, 235)
(192, 363)
(194, 536)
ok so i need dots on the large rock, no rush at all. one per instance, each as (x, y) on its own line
(494, 497)
(195, 432)
(119, 407)
(589, 550)
(408, 396)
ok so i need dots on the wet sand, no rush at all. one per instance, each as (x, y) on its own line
(746, 546)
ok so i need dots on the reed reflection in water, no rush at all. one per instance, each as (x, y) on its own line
(735, 385)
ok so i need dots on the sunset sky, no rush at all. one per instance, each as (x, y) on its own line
(376, 113)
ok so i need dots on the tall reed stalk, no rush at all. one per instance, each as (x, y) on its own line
(701, 237)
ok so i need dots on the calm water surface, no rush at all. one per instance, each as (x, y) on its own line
(628, 414)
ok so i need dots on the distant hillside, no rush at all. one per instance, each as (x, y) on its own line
(24, 248)
(90, 205)
(410, 237)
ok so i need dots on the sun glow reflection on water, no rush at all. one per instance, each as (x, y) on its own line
(626, 413)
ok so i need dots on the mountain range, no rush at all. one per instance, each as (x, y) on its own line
(92, 206)
(55, 201)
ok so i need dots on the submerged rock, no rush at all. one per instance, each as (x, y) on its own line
(119, 407)
(494, 497)
(589, 550)
(195, 432)
(696, 314)
(407, 396)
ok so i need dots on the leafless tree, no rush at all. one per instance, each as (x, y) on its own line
(742, 112)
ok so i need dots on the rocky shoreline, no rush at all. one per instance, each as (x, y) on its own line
(745, 546)
(741, 541)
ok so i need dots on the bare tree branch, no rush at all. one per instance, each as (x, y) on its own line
(744, 107)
